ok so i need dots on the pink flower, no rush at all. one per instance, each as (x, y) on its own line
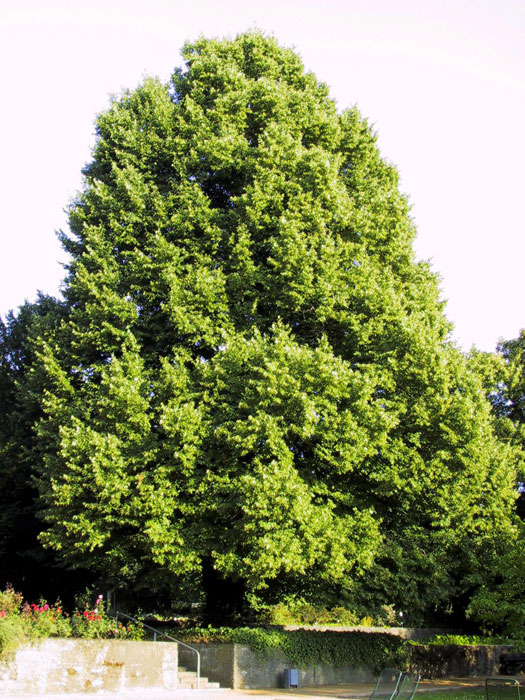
(85, 613)
(2, 613)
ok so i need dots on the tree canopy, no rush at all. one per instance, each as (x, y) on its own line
(252, 382)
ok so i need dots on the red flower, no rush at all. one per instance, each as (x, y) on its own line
(85, 613)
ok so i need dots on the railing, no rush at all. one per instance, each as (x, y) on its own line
(167, 636)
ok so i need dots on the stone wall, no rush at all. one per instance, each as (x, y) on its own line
(217, 662)
(453, 661)
(54, 666)
(81, 665)
(238, 666)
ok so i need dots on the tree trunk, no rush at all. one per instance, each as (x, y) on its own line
(224, 597)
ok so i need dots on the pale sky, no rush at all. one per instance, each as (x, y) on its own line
(442, 81)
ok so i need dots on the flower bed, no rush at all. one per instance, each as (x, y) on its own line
(21, 622)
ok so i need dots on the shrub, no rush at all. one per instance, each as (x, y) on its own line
(13, 632)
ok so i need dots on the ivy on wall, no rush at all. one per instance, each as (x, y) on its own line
(306, 647)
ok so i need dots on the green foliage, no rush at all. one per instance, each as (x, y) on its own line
(302, 612)
(13, 631)
(10, 601)
(307, 647)
(499, 603)
(250, 374)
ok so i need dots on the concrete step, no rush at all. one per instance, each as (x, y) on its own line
(192, 685)
(187, 680)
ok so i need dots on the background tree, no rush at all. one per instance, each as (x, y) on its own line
(508, 399)
(23, 561)
(513, 353)
(252, 386)
(18, 526)
(498, 603)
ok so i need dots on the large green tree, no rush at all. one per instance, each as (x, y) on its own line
(253, 383)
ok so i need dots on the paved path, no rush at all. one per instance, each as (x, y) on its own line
(325, 692)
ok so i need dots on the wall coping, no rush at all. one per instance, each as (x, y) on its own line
(53, 666)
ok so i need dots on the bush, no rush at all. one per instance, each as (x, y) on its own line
(13, 632)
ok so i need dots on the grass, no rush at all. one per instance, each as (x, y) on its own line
(463, 694)
(473, 693)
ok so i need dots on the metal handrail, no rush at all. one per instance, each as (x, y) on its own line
(172, 639)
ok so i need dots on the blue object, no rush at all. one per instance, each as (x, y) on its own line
(291, 678)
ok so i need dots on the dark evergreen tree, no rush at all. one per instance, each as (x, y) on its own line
(23, 561)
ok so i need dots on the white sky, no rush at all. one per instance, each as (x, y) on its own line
(443, 82)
